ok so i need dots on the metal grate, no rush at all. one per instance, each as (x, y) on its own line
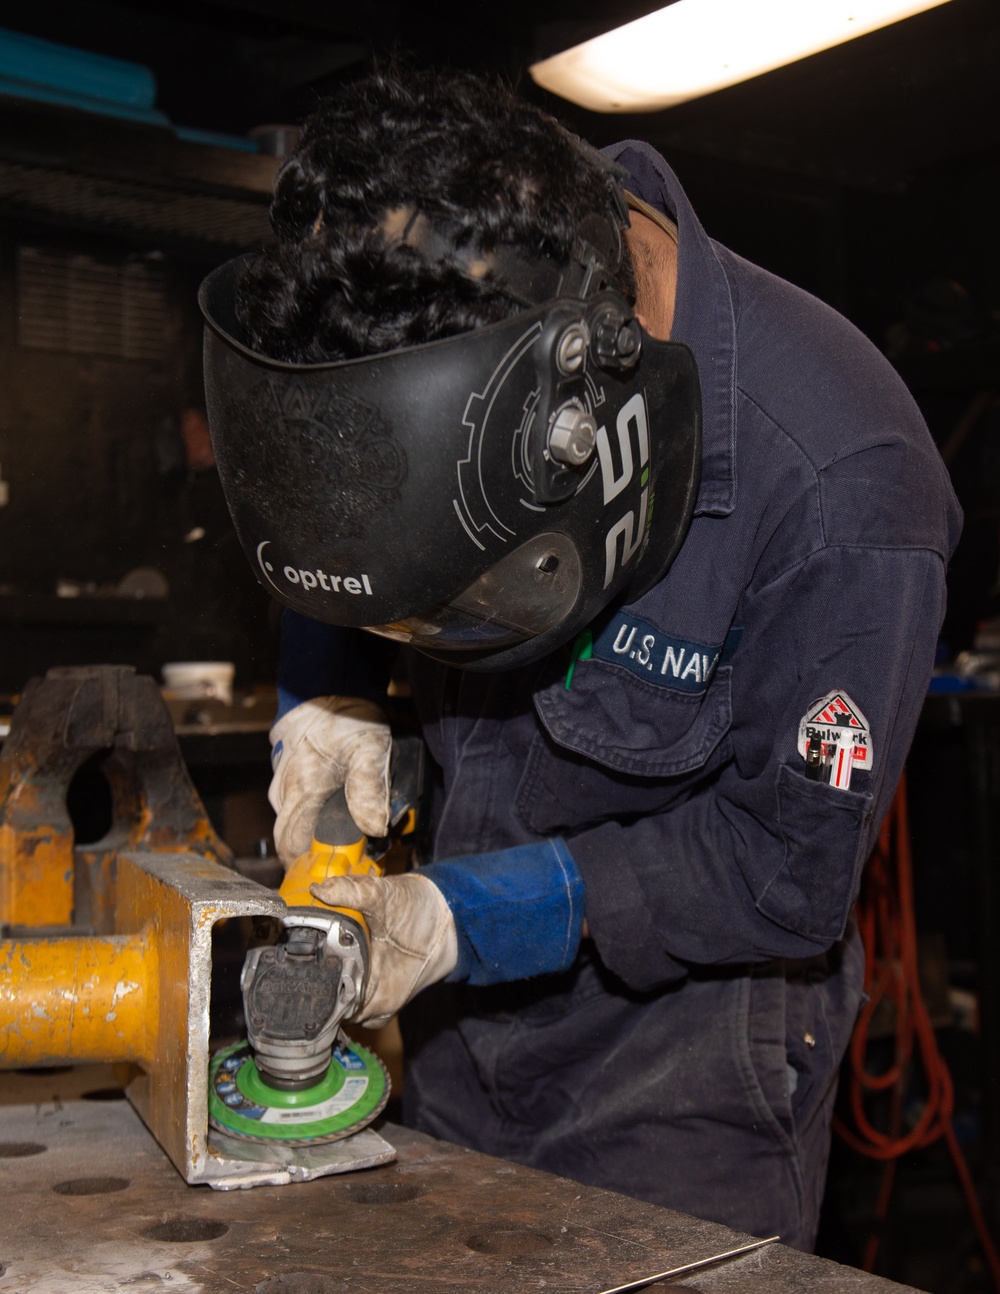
(73, 303)
(131, 207)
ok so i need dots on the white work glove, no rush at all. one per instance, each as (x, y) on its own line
(413, 937)
(319, 747)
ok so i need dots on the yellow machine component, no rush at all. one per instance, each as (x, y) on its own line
(64, 721)
(81, 999)
(36, 867)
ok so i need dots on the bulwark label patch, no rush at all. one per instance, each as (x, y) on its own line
(649, 653)
(840, 730)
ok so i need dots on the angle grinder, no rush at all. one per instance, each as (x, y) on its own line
(298, 1079)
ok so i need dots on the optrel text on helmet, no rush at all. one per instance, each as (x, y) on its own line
(354, 584)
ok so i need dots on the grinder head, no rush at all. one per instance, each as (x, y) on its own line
(301, 978)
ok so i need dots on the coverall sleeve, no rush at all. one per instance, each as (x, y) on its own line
(317, 659)
(758, 861)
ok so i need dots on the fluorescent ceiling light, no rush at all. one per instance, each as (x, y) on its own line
(693, 47)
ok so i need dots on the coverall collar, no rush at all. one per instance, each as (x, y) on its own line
(704, 318)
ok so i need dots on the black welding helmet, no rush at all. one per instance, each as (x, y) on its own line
(483, 497)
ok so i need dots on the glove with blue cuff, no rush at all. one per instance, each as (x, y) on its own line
(318, 747)
(485, 918)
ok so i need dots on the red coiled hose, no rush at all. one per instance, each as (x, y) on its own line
(887, 924)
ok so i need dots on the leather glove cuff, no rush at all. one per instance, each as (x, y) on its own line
(518, 912)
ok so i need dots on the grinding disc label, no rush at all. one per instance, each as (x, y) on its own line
(351, 1094)
(348, 1096)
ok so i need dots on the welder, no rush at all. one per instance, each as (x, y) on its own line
(664, 540)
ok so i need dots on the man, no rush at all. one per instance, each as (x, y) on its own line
(668, 660)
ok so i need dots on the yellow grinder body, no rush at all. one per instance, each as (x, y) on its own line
(338, 849)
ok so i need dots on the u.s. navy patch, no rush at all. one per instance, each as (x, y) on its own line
(840, 727)
(659, 658)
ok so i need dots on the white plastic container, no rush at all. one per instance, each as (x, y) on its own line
(195, 680)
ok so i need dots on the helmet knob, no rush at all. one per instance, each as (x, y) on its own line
(571, 349)
(616, 340)
(572, 435)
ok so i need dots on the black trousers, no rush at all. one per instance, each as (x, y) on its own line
(712, 1097)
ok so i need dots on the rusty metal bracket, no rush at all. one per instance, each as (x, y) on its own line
(64, 720)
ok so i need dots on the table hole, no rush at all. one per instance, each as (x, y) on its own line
(20, 1149)
(385, 1193)
(91, 1186)
(509, 1241)
(186, 1230)
(302, 1283)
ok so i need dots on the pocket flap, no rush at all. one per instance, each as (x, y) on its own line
(626, 724)
(824, 832)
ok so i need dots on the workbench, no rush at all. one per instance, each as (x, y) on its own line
(91, 1204)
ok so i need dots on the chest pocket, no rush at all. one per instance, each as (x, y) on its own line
(614, 746)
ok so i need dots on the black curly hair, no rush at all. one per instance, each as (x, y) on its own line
(498, 170)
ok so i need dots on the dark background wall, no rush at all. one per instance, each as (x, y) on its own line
(115, 541)
(105, 502)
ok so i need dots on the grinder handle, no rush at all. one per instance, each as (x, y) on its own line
(338, 849)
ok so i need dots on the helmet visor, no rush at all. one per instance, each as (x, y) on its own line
(529, 592)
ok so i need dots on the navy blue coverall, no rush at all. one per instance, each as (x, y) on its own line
(687, 1051)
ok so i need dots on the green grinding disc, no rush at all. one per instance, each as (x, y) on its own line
(352, 1092)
